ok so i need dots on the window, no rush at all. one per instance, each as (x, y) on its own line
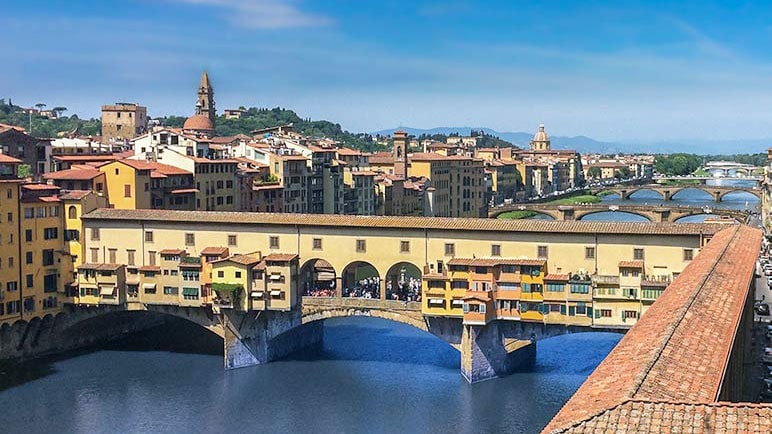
(94, 255)
(629, 292)
(170, 290)
(541, 252)
(49, 283)
(48, 257)
(450, 249)
(127, 190)
(30, 281)
(190, 239)
(361, 246)
(151, 258)
(688, 254)
(50, 233)
(149, 289)
(317, 244)
(130, 256)
(112, 254)
(28, 235)
(638, 254)
(220, 273)
(190, 293)
(496, 250)
(237, 274)
(603, 313)
(555, 287)
(148, 236)
(629, 314)
(94, 234)
(28, 258)
(29, 213)
(11, 286)
(589, 253)
(10, 217)
(579, 288)
(404, 246)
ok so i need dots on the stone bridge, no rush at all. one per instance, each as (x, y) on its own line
(703, 180)
(652, 213)
(668, 192)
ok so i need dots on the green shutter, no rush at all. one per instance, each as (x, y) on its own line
(571, 310)
(589, 312)
(562, 309)
(597, 313)
(189, 291)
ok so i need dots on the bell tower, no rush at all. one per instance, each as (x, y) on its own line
(205, 103)
(399, 153)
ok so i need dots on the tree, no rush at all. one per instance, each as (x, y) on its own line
(594, 172)
(624, 173)
(24, 171)
(59, 110)
(39, 106)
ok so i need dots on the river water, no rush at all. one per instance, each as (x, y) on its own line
(689, 197)
(371, 376)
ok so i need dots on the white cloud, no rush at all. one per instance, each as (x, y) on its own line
(263, 14)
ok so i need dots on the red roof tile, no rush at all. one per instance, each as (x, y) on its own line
(280, 257)
(630, 264)
(214, 251)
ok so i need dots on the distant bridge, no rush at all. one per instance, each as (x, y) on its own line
(703, 180)
(669, 191)
(725, 167)
(652, 213)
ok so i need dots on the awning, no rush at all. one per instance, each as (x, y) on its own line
(106, 290)
(437, 301)
(149, 286)
(189, 291)
(275, 277)
(275, 293)
(457, 302)
(257, 294)
(325, 276)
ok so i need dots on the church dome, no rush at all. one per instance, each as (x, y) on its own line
(540, 135)
(198, 123)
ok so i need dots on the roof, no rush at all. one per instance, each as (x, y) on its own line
(150, 268)
(403, 222)
(630, 264)
(556, 277)
(7, 159)
(281, 257)
(171, 252)
(40, 187)
(214, 251)
(240, 259)
(490, 262)
(74, 194)
(100, 267)
(198, 123)
(80, 173)
(676, 356)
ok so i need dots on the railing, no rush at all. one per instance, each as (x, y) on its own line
(362, 303)
(659, 281)
(605, 279)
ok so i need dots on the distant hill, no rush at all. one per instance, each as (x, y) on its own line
(586, 145)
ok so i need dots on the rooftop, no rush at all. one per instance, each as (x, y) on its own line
(468, 224)
(669, 368)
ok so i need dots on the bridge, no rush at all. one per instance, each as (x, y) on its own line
(669, 192)
(538, 280)
(703, 180)
(685, 367)
(652, 213)
(724, 168)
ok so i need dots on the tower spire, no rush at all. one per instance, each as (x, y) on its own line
(205, 104)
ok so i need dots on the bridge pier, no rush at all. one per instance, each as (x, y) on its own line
(257, 338)
(486, 354)
(716, 196)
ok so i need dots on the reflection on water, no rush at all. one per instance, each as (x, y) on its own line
(371, 376)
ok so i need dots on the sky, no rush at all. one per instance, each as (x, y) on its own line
(611, 70)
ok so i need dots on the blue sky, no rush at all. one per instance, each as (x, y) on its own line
(611, 70)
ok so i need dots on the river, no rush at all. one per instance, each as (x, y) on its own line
(371, 376)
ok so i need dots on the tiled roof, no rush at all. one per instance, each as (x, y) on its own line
(74, 194)
(678, 350)
(630, 264)
(101, 267)
(40, 187)
(280, 257)
(556, 277)
(171, 252)
(150, 268)
(490, 262)
(399, 222)
(214, 251)
(81, 173)
(669, 417)
(7, 159)
(241, 259)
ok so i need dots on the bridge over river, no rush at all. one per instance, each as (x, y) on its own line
(669, 192)
(652, 213)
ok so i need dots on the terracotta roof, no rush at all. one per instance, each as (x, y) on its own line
(40, 187)
(137, 164)
(7, 159)
(171, 252)
(348, 151)
(214, 251)
(490, 262)
(556, 277)
(281, 257)
(198, 122)
(101, 267)
(150, 268)
(400, 222)
(81, 173)
(84, 158)
(74, 194)
(630, 264)
(241, 259)
(678, 350)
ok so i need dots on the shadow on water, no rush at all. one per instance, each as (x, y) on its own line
(391, 343)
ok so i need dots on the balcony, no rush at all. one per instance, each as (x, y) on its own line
(655, 281)
(600, 279)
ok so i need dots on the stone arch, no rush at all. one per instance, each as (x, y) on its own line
(631, 192)
(677, 191)
(400, 275)
(581, 216)
(352, 278)
(739, 190)
(318, 276)
(343, 312)
(72, 212)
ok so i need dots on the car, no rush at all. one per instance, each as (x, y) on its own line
(762, 309)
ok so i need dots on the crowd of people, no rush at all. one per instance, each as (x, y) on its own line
(404, 290)
(369, 287)
(312, 289)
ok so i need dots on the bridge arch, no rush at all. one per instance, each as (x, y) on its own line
(414, 320)
(403, 281)
(360, 279)
(581, 216)
(706, 192)
(740, 192)
(318, 277)
(636, 191)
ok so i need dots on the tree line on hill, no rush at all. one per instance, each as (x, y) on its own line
(484, 140)
(44, 127)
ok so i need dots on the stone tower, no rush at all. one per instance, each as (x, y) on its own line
(205, 103)
(399, 153)
(541, 141)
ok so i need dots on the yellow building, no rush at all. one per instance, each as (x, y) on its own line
(10, 192)
(128, 183)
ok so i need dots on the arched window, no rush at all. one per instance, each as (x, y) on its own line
(72, 212)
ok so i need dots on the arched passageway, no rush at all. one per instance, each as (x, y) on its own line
(403, 282)
(360, 279)
(318, 278)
